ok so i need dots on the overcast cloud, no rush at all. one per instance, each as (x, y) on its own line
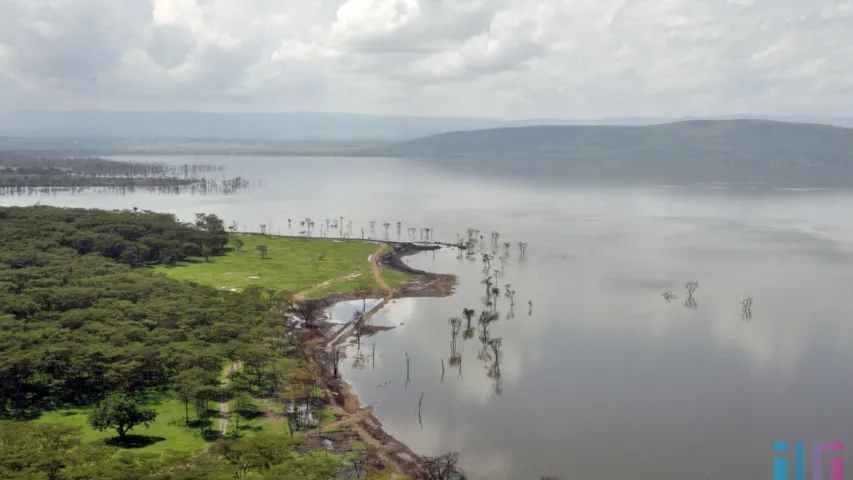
(503, 58)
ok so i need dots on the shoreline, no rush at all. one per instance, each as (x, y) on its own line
(388, 453)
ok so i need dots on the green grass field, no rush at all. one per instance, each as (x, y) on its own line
(292, 265)
(167, 432)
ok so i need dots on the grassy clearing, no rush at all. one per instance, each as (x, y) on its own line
(168, 432)
(292, 265)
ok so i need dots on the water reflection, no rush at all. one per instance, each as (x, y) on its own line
(601, 379)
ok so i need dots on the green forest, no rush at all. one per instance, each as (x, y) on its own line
(89, 326)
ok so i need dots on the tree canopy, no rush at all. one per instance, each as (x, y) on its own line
(81, 317)
(120, 412)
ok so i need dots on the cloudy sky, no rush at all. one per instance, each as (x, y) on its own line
(503, 58)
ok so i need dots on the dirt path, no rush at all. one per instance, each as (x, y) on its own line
(353, 421)
(389, 295)
(377, 274)
(303, 294)
(223, 403)
(346, 420)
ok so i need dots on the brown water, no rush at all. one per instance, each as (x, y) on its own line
(604, 378)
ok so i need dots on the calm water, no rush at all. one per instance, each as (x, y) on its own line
(604, 378)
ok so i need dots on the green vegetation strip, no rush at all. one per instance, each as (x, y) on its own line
(290, 265)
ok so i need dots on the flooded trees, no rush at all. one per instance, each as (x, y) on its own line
(691, 287)
(386, 225)
(522, 248)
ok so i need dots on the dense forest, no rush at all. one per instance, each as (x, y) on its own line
(85, 321)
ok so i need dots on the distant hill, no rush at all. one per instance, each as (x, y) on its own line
(758, 152)
(104, 125)
(702, 140)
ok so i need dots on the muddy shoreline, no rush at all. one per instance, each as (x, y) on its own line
(385, 452)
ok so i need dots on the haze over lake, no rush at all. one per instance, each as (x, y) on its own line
(604, 378)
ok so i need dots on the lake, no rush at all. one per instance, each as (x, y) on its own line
(603, 377)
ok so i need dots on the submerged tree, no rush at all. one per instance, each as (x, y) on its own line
(494, 369)
(468, 313)
(746, 308)
(455, 328)
(487, 262)
(691, 287)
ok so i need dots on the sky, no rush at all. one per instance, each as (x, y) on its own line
(484, 58)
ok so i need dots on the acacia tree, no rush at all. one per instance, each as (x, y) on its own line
(238, 243)
(263, 250)
(189, 383)
(120, 412)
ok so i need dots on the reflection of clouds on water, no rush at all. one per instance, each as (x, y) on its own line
(603, 358)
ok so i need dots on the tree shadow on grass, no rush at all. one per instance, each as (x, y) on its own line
(249, 428)
(133, 441)
(251, 414)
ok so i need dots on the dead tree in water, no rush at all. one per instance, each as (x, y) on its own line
(455, 329)
(691, 287)
(746, 308)
(468, 313)
(488, 283)
(487, 262)
(522, 248)
(407, 369)
(494, 370)
(420, 403)
(372, 227)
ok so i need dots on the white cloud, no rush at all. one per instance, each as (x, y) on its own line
(559, 58)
